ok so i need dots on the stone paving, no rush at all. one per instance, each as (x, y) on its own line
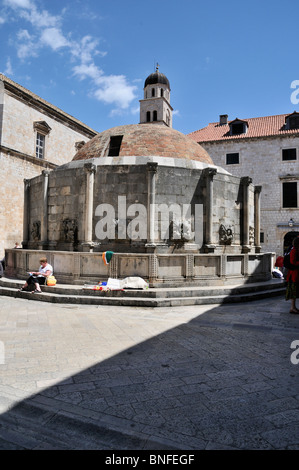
(102, 377)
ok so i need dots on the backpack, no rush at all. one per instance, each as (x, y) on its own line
(286, 259)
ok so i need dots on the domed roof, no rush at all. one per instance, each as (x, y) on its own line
(143, 140)
(157, 77)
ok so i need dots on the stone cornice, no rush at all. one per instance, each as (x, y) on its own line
(36, 161)
(294, 176)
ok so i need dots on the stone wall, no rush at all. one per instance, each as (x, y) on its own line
(13, 170)
(17, 157)
(158, 269)
(18, 131)
(261, 159)
(124, 188)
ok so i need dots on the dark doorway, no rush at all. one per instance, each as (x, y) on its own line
(288, 240)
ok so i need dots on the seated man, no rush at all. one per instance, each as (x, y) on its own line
(38, 278)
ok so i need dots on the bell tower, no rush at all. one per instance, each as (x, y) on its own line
(155, 107)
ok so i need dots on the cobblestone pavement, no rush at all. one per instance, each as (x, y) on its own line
(197, 377)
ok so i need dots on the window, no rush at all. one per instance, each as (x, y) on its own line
(293, 122)
(42, 129)
(148, 116)
(155, 116)
(162, 91)
(40, 145)
(238, 127)
(168, 117)
(114, 147)
(153, 92)
(232, 158)
(289, 154)
(262, 237)
(289, 194)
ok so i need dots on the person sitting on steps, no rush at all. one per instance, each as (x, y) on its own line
(38, 278)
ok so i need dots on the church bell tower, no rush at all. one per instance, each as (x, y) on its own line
(155, 107)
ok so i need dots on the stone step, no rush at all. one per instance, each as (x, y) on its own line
(148, 298)
(157, 292)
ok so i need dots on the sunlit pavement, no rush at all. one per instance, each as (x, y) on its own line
(103, 377)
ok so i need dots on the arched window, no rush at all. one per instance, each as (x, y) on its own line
(148, 116)
(167, 117)
(162, 92)
(153, 92)
(155, 116)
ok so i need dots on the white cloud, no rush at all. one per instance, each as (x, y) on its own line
(85, 49)
(115, 89)
(8, 70)
(111, 89)
(27, 45)
(54, 38)
(19, 3)
(40, 19)
(46, 31)
(135, 110)
(88, 71)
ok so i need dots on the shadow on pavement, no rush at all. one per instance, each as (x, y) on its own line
(222, 380)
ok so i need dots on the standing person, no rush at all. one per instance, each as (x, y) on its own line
(38, 278)
(292, 292)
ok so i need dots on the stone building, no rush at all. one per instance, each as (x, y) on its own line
(35, 136)
(152, 196)
(267, 149)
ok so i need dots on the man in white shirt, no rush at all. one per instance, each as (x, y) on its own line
(39, 277)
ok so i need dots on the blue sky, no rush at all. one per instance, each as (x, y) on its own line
(91, 57)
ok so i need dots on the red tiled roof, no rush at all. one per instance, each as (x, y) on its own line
(257, 127)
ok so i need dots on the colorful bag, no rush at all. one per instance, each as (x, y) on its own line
(51, 281)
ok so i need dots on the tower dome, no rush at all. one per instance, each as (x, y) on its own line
(157, 78)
